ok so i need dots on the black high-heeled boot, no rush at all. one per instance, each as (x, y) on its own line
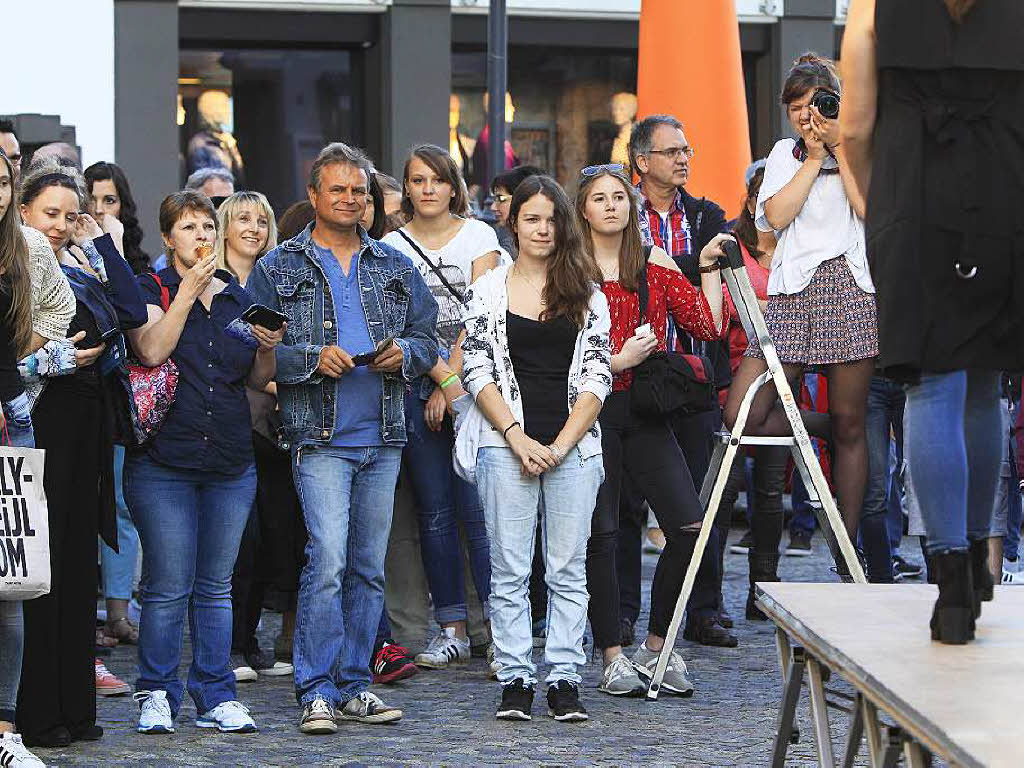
(984, 586)
(763, 567)
(953, 616)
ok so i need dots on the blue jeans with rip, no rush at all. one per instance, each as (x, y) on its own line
(190, 524)
(118, 568)
(443, 500)
(511, 503)
(953, 446)
(347, 497)
(18, 415)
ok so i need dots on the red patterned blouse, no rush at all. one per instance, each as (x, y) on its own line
(668, 291)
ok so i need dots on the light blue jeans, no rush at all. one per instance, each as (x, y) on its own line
(954, 436)
(118, 568)
(347, 496)
(12, 629)
(190, 523)
(568, 494)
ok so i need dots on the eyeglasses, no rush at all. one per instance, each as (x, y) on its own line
(593, 170)
(673, 153)
(500, 199)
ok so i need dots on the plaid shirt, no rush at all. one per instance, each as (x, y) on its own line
(676, 242)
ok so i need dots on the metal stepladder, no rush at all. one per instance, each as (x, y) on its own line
(734, 272)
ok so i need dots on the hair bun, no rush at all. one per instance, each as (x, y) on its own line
(809, 58)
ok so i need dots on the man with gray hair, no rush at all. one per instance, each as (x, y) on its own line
(212, 182)
(361, 326)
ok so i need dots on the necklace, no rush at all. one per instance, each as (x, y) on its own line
(540, 291)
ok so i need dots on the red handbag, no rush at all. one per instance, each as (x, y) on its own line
(151, 390)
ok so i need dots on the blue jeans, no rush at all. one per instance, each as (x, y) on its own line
(18, 417)
(190, 524)
(884, 414)
(348, 504)
(443, 500)
(894, 502)
(803, 520)
(118, 568)
(511, 501)
(953, 446)
(1011, 544)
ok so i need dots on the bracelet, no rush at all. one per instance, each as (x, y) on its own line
(504, 435)
(560, 453)
(449, 380)
(710, 268)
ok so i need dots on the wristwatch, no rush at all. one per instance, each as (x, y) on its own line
(559, 452)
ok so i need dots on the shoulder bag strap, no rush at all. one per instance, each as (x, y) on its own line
(642, 289)
(165, 293)
(433, 267)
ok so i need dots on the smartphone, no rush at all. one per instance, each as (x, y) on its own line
(265, 317)
(368, 357)
(642, 330)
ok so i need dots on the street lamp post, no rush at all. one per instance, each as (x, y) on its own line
(497, 85)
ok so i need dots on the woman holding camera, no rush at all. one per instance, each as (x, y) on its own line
(190, 487)
(821, 301)
(934, 124)
(641, 446)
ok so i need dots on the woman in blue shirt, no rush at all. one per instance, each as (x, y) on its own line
(191, 486)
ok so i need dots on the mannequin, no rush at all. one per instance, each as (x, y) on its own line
(459, 145)
(214, 145)
(623, 106)
(479, 174)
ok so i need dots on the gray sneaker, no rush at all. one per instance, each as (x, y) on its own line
(368, 708)
(620, 679)
(675, 680)
(318, 717)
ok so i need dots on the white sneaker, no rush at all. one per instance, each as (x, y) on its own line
(14, 754)
(228, 717)
(443, 650)
(495, 666)
(1011, 566)
(245, 674)
(621, 679)
(368, 708)
(1012, 579)
(154, 712)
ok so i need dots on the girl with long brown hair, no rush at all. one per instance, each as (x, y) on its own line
(16, 418)
(537, 332)
(640, 446)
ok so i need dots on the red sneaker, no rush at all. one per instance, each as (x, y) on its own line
(391, 664)
(108, 684)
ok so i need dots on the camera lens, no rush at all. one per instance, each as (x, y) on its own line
(826, 102)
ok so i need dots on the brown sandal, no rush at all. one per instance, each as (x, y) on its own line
(122, 630)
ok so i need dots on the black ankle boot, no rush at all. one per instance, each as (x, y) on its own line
(984, 586)
(763, 567)
(953, 617)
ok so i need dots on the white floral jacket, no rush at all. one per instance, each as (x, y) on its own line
(486, 357)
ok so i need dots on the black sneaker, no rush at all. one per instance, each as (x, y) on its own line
(516, 701)
(744, 545)
(564, 702)
(799, 545)
(902, 568)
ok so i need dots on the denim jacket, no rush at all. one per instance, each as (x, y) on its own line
(396, 302)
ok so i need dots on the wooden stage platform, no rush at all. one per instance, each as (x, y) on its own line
(964, 704)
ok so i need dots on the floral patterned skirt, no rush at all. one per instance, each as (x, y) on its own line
(830, 321)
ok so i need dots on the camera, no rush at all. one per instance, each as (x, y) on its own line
(827, 102)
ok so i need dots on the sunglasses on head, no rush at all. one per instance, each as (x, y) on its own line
(593, 170)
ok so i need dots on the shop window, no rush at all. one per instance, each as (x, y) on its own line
(565, 110)
(265, 114)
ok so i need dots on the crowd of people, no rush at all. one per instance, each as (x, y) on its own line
(493, 357)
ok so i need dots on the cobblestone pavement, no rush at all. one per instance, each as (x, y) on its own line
(449, 715)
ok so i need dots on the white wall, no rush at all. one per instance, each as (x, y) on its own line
(63, 58)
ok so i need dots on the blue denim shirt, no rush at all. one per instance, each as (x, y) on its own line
(396, 302)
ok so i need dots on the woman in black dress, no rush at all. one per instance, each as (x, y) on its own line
(933, 126)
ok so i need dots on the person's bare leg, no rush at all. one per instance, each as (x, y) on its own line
(848, 385)
(995, 557)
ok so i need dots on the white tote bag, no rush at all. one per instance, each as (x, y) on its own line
(24, 525)
(469, 421)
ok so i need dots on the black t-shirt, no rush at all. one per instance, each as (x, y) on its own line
(541, 354)
(10, 379)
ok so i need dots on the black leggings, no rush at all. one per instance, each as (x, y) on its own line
(647, 451)
(769, 483)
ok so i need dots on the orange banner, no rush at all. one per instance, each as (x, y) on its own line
(690, 67)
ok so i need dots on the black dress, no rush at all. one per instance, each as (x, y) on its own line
(945, 232)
